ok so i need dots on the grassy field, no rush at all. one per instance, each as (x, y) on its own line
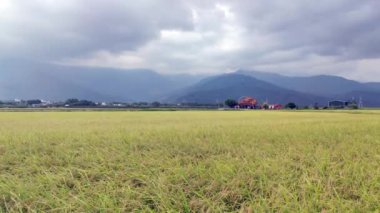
(190, 161)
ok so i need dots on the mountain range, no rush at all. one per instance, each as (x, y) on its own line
(331, 87)
(220, 88)
(54, 82)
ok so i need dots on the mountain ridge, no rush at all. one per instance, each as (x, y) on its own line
(237, 85)
(57, 83)
(321, 85)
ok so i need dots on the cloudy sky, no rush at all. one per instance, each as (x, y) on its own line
(298, 37)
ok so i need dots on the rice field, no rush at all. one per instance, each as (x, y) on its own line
(190, 161)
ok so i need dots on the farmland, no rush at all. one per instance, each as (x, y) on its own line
(190, 161)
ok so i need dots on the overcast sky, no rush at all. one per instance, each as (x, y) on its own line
(298, 37)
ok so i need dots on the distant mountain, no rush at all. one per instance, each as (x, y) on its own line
(321, 85)
(55, 82)
(219, 88)
(34, 84)
(374, 85)
(32, 80)
(185, 79)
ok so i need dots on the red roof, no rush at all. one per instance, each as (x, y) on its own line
(247, 101)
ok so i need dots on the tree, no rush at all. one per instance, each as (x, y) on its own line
(71, 101)
(266, 106)
(77, 103)
(290, 105)
(231, 103)
(354, 106)
(156, 104)
(316, 106)
(31, 102)
(85, 103)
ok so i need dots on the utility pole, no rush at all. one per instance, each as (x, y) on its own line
(360, 103)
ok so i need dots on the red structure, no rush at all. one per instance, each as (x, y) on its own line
(275, 106)
(247, 102)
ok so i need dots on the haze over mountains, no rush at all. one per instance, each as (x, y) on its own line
(220, 88)
(58, 83)
(331, 87)
(55, 82)
(322, 85)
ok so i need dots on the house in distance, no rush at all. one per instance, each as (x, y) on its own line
(247, 102)
(338, 104)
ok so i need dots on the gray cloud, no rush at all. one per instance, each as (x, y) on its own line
(299, 37)
(69, 28)
(347, 29)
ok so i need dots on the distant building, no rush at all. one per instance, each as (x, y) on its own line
(275, 106)
(337, 104)
(247, 102)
